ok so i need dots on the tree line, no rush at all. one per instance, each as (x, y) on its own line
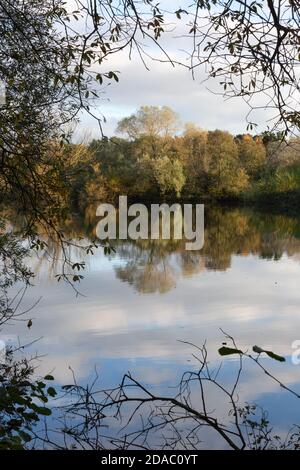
(151, 157)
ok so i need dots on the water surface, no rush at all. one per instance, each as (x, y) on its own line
(141, 300)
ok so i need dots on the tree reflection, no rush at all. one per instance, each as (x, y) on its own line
(156, 265)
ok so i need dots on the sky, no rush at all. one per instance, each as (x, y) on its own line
(194, 100)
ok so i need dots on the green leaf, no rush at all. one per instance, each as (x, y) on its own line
(25, 436)
(272, 355)
(51, 391)
(275, 356)
(224, 351)
(48, 377)
(257, 349)
(41, 410)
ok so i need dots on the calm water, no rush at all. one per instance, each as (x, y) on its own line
(140, 301)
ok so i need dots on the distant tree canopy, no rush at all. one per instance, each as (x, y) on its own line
(152, 121)
(225, 173)
(188, 164)
(54, 59)
(252, 154)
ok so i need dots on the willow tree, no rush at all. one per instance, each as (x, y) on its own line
(151, 121)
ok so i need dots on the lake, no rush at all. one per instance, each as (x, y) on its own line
(139, 303)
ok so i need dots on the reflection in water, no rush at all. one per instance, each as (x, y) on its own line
(245, 280)
(148, 273)
(155, 265)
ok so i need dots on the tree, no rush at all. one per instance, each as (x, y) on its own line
(31, 59)
(226, 177)
(117, 161)
(195, 159)
(169, 175)
(252, 154)
(152, 121)
(23, 402)
(253, 49)
(283, 153)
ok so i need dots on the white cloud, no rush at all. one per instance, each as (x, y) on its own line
(174, 87)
